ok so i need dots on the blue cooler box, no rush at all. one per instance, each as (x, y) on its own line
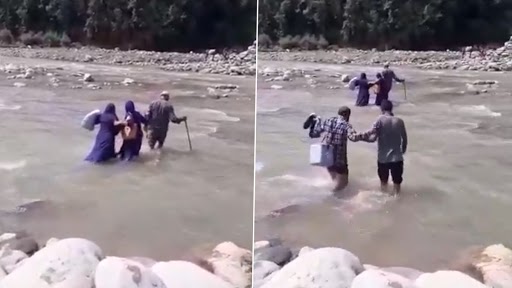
(321, 155)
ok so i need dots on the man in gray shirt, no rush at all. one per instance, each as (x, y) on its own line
(388, 76)
(391, 135)
(160, 113)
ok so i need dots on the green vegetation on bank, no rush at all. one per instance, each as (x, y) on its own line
(384, 24)
(130, 24)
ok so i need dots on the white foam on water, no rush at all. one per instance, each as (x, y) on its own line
(466, 125)
(11, 107)
(218, 115)
(478, 110)
(258, 166)
(269, 110)
(203, 122)
(303, 181)
(14, 165)
(364, 200)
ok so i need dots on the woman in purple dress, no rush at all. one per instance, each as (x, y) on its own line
(363, 96)
(104, 145)
(131, 147)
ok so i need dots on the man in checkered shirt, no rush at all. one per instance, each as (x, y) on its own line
(337, 130)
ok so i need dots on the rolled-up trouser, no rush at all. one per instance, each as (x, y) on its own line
(156, 136)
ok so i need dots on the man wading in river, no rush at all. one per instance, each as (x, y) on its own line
(160, 113)
(337, 130)
(388, 75)
(391, 135)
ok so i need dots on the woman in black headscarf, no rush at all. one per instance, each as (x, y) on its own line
(104, 145)
(382, 93)
(363, 96)
(132, 133)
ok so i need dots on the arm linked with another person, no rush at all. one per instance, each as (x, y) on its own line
(371, 135)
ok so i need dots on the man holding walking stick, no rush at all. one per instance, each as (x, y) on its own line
(388, 76)
(159, 114)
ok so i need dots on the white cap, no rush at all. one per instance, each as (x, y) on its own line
(164, 93)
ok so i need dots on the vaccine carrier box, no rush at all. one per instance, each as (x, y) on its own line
(321, 155)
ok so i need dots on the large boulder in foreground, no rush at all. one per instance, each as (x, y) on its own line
(491, 265)
(114, 272)
(181, 274)
(447, 279)
(263, 270)
(10, 259)
(69, 263)
(321, 268)
(380, 279)
(233, 264)
(409, 273)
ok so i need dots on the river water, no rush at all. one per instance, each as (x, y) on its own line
(457, 186)
(163, 206)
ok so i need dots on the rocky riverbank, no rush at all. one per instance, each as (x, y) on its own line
(499, 59)
(278, 266)
(80, 263)
(212, 62)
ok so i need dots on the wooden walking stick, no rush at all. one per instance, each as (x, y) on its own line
(188, 135)
(405, 91)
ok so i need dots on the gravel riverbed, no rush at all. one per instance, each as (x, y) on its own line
(499, 59)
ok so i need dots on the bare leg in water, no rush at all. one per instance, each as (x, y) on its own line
(384, 187)
(396, 189)
(341, 181)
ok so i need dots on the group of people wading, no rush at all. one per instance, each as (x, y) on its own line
(388, 130)
(382, 85)
(155, 123)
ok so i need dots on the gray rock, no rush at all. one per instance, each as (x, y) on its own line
(447, 279)
(375, 278)
(305, 250)
(485, 82)
(262, 269)
(232, 272)
(345, 78)
(270, 72)
(147, 262)
(267, 243)
(20, 241)
(370, 267)
(3, 274)
(19, 84)
(88, 58)
(277, 254)
(233, 264)
(322, 268)
(181, 274)
(88, 78)
(491, 265)
(409, 273)
(94, 86)
(128, 81)
(69, 263)
(113, 272)
(226, 87)
(9, 259)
